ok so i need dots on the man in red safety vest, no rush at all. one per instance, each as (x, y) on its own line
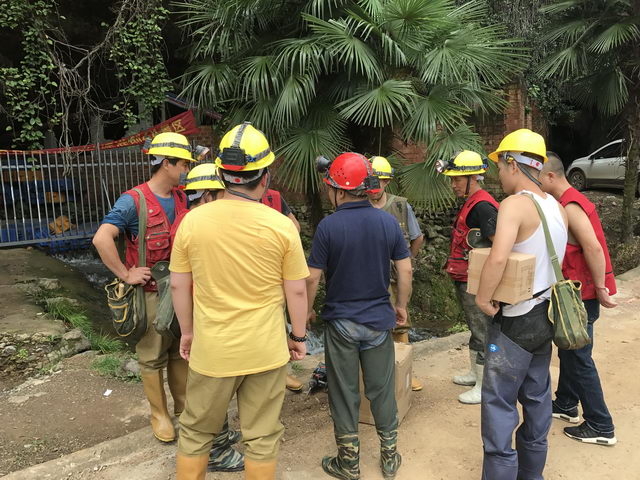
(170, 156)
(480, 211)
(587, 261)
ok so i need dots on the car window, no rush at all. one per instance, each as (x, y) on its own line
(612, 151)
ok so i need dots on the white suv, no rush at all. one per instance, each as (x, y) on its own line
(603, 168)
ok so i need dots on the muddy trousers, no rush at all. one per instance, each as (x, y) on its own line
(344, 360)
(476, 320)
(513, 375)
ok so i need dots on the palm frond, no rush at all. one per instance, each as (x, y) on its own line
(606, 90)
(296, 93)
(209, 84)
(564, 64)
(557, 8)
(322, 132)
(380, 106)
(323, 8)
(421, 183)
(438, 108)
(300, 55)
(345, 48)
(615, 36)
(568, 33)
(260, 77)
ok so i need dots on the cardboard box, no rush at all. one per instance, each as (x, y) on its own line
(517, 281)
(404, 360)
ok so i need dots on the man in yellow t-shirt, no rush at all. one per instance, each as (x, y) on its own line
(244, 260)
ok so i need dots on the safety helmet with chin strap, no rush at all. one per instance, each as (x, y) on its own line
(351, 172)
(172, 145)
(382, 168)
(463, 164)
(244, 148)
(201, 178)
(523, 147)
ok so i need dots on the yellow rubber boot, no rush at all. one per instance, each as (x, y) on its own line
(254, 470)
(294, 384)
(403, 337)
(177, 370)
(191, 468)
(160, 420)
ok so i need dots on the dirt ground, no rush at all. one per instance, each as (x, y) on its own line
(439, 438)
(65, 412)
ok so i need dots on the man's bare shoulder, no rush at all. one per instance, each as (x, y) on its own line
(514, 202)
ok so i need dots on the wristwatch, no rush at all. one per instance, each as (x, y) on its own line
(298, 339)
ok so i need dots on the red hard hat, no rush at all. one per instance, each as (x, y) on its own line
(351, 171)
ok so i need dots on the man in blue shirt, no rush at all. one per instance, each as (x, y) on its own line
(354, 247)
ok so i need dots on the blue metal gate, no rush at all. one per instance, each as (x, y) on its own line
(58, 200)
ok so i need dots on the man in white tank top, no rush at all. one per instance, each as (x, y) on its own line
(518, 349)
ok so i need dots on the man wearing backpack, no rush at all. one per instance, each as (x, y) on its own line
(400, 208)
(355, 247)
(479, 211)
(519, 336)
(587, 261)
(170, 157)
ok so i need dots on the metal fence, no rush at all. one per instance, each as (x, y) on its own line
(58, 200)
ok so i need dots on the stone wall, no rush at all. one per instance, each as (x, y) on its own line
(434, 305)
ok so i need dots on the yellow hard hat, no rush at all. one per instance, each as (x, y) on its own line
(204, 177)
(381, 168)
(523, 141)
(462, 163)
(244, 148)
(169, 144)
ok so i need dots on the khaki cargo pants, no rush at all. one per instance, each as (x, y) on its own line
(154, 350)
(260, 398)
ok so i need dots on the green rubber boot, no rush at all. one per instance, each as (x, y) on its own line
(345, 465)
(390, 459)
(224, 458)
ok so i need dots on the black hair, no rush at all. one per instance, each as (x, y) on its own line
(554, 164)
(171, 160)
(252, 185)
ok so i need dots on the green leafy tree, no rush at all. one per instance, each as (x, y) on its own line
(598, 58)
(323, 76)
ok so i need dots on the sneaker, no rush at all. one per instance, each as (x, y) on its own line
(571, 415)
(584, 433)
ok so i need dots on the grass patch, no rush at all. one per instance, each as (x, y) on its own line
(111, 365)
(457, 327)
(297, 368)
(73, 316)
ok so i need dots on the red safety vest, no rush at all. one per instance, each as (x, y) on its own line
(176, 224)
(575, 266)
(272, 199)
(158, 236)
(457, 263)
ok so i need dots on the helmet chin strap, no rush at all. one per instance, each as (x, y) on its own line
(528, 175)
(466, 190)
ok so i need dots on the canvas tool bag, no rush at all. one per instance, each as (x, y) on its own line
(566, 310)
(127, 302)
(165, 323)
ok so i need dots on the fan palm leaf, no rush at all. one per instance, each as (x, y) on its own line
(380, 106)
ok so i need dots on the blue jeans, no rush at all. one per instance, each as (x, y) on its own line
(579, 380)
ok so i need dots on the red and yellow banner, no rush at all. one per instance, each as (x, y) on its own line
(185, 123)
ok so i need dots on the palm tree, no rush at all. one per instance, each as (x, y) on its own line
(323, 76)
(598, 57)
